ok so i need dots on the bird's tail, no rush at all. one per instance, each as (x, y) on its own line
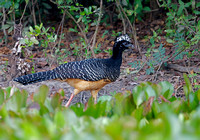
(36, 77)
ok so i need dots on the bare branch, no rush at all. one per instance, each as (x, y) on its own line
(4, 19)
(123, 20)
(61, 25)
(33, 12)
(23, 12)
(132, 28)
(82, 32)
(96, 30)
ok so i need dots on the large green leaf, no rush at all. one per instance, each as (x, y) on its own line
(149, 92)
(138, 95)
(17, 101)
(41, 95)
(130, 116)
(59, 119)
(187, 87)
(55, 101)
(167, 89)
(2, 96)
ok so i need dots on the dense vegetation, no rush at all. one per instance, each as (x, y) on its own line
(134, 115)
(164, 32)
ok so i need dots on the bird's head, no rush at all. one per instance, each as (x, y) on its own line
(123, 42)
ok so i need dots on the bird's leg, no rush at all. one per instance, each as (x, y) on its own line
(76, 91)
(69, 101)
(94, 95)
(85, 106)
(95, 100)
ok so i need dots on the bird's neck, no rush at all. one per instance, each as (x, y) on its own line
(116, 55)
(116, 58)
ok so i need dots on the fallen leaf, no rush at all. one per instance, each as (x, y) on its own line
(5, 50)
(4, 59)
(192, 72)
(28, 60)
(42, 63)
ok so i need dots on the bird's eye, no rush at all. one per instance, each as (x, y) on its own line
(125, 43)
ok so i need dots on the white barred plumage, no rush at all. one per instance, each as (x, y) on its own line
(123, 37)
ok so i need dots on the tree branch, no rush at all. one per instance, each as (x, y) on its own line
(4, 20)
(132, 28)
(123, 21)
(23, 12)
(96, 30)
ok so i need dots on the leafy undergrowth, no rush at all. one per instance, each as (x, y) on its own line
(134, 115)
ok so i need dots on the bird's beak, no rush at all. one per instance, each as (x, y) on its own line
(130, 46)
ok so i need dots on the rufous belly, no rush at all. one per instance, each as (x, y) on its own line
(82, 85)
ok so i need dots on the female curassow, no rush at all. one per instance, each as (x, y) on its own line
(89, 74)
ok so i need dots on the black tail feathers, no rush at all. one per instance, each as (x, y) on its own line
(36, 77)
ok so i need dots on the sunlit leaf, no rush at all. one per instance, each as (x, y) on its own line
(7, 91)
(128, 104)
(138, 113)
(104, 98)
(10, 29)
(31, 29)
(2, 96)
(150, 92)
(143, 122)
(6, 26)
(34, 40)
(41, 95)
(96, 110)
(55, 101)
(188, 87)
(3, 112)
(15, 102)
(167, 89)
(118, 108)
(59, 119)
(198, 94)
(193, 100)
(138, 95)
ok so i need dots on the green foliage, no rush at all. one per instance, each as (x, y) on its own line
(39, 36)
(33, 69)
(62, 53)
(46, 38)
(8, 26)
(144, 91)
(194, 77)
(182, 31)
(40, 97)
(6, 4)
(134, 10)
(97, 49)
(156, 57)
(83, 18)
(82, 15)
(183, 25)
(123, 116)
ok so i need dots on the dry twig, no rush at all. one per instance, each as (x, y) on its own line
(96, 30)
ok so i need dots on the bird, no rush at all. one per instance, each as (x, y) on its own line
(86, 75)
